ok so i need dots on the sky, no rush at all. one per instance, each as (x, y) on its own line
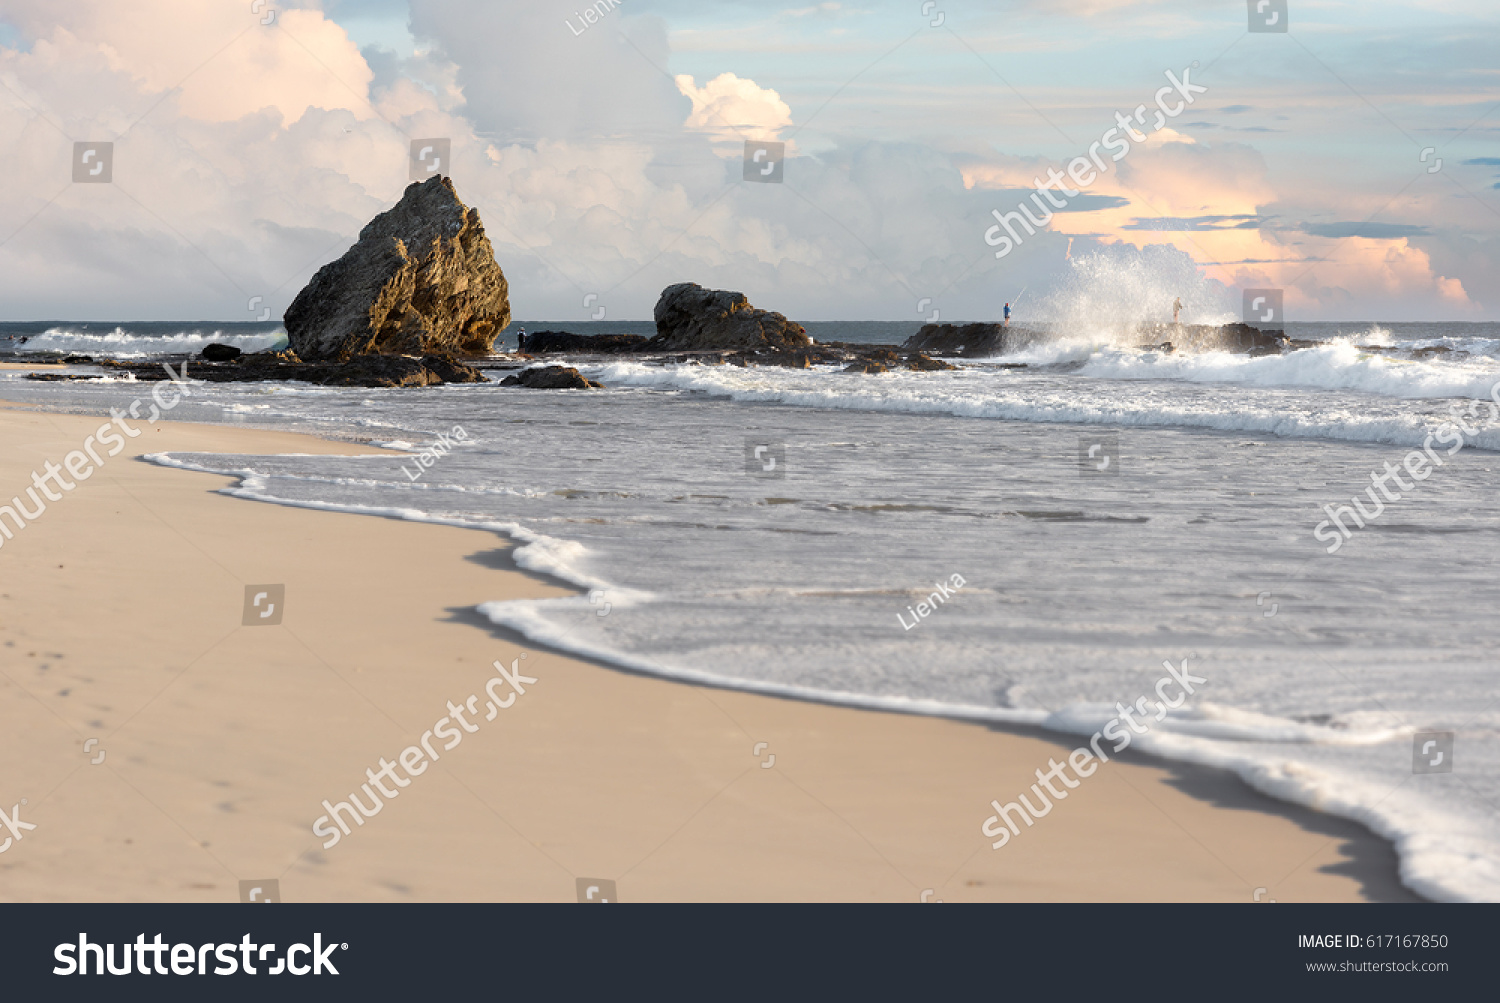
(1352, 160)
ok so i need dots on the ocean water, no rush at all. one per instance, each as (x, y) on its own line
(135, 339)
(1197, 543)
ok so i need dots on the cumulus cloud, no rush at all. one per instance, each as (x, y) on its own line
(732, 108)
(1216, 204)
(248, 155)
(527, 76)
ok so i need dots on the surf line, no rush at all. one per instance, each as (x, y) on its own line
(1418, 466)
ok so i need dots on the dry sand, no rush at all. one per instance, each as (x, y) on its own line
(121, 621)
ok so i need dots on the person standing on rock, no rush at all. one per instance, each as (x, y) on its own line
(521, 341)
(1176, 309)
(1007, 316)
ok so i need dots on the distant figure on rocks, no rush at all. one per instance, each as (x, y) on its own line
(521, 341)
(1006, 322)
(1176, 308)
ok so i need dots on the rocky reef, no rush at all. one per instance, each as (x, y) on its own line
(692, 318)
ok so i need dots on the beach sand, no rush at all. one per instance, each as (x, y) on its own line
(121, 621)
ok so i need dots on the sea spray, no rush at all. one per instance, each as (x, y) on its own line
(1109, 293)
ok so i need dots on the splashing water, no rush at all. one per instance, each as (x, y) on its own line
(1108, 294)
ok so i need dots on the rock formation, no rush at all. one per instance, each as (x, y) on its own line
(361, 371)
(689, 317)
(1218, 338)
(551, 378)
(969, 340)
(421, 279)
(563, 341)
(926, 364)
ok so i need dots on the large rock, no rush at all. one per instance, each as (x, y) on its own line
(689, 317)
(422, 279)
(361, 371)
(551, 378)
(381, 371)
(450, 370)
(563, 341)
(970, 340)
(926, 364)
(1218, 338)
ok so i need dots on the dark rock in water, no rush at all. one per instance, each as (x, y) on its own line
(76, 360)
(786, 360)
(925, 364)
(602, 344)
(869, 366)
(449, 370)
(1417, 354)
(378, 371)
(1219, 338)
(968, 340)
(363, 371)
(690, 317)
(884, 355)
(421, 279)
(285, 355)
(220, 353)
(551, 378)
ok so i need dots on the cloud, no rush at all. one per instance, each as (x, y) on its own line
(1240, 221)
(1372, 231)
(216, 60)
(735, 109)
(527, 76)
(248, 155)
